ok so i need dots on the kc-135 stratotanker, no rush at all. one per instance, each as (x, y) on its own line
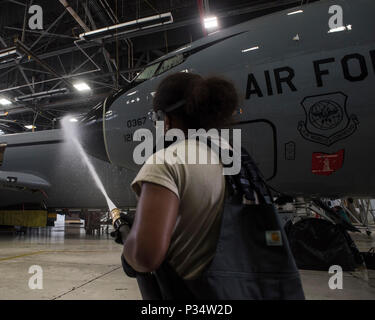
(307, 112)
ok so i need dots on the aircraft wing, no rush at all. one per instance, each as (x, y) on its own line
(19, 180)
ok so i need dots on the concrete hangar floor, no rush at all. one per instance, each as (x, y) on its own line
(77, 266)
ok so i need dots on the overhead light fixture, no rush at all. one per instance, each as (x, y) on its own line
(210, 22)
(127, 27)
(43, 94)
(9, 54)
(73, 120)
(250, 49)
(343, 28)
(82, 86)
(30, 127)
(5, 102)
(295, 12)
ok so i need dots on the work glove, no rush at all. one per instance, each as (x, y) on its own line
(121, 234)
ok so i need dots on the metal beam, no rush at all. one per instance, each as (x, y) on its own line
(16, 2)
(139, 60)
(88, 14)
(26, 79)
(3, 42)
(19, 68)
(3, 74)
(108, 62)
(86, 28)
(35, 70)
(55, 35)
(77, 68)
(74, 15)
(48, 29)
(105, 52)
(29, 53)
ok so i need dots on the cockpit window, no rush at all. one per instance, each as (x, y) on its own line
(148, 73)
(159, 68)
(170, 63)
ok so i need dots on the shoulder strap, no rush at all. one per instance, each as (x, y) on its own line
(249, 179)
(256, 177)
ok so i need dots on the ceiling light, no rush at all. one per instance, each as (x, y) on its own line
(210, 22)
(295, 12)
(5, 102)
(30, 127)
(127, 27)
(82, 86)
(9, 54)
(250, 49)
(73, 120)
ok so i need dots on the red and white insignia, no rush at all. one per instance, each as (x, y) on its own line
(325, 164)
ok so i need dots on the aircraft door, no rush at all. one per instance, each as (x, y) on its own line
(258, 137)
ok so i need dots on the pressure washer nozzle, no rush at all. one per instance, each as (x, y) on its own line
(116, 214)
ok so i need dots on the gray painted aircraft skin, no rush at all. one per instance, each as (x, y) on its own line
(46, 163)
(308, 104)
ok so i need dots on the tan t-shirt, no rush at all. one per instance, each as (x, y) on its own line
(201, 191)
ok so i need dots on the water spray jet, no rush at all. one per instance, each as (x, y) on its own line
(71, 133)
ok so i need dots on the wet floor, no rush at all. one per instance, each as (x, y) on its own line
(74, 265)
(77, 266)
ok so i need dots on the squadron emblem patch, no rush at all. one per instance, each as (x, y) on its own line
(327, 120)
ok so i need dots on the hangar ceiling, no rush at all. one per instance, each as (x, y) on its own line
(39, 84)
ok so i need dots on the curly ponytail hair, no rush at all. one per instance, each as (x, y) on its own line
(210, 102)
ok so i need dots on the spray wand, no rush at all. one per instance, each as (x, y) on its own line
(122, 221)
